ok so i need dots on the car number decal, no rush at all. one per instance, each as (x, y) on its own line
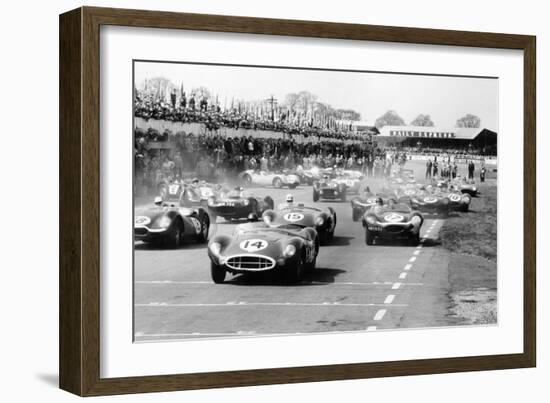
(196, 223)
(430, 199)
(349, 182)
(207, 192)
(173, 189)
(371, 201)
(142, 220)
(253, 245)
(454, 197)
(393, 217)
(293, 217)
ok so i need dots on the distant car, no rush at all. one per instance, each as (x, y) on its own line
(466, 186)
(259, 247)
(168, 223)
(329, 189)
(392, 221)
(458, 201)
(352, 180)
(265, 178)
(198, 195)
(322, 220)
(170, 189)
(237, 204)
(430, 201)
(308, 176)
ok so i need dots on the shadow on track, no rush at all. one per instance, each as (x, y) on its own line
(317, 277)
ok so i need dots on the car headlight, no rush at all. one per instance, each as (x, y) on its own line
(416, 220)
(267, 219)
(246, 202)
(164, 222)
(474, 189)
(319, 221)
(215, 248)
(466, 199)
(289, 251)
(371, 220)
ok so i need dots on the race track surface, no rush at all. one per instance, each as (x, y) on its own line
(355, 287)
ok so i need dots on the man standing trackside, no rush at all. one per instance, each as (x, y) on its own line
(429, 169)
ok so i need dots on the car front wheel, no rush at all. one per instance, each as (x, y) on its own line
(217, 272)
(369, 237)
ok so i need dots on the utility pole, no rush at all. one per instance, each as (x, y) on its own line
(272, 101)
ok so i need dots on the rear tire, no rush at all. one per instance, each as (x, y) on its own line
(205, 229)
(174, 241)
(247, 179)
(415, 239)
(277, 183)
(293, 186)
(217, 273)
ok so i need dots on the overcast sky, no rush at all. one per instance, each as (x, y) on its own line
(445, 99)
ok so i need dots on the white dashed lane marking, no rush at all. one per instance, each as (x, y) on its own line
(412, 259)
(389, 299)
(246, 304)
(402, 276)
(371, 328)
(396, 286)
(380, 314)
(416, 252)
(407, 267)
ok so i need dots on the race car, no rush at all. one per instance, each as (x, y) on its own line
(431, 201)
(350, 179)
(322, 220)
(367, 199)
(329, 189)
(308, 176)
(391, 221)
(168, 223)
(197, 194)
(237, 204)
(458, 201)
(170, 189)
(466, 186)
(259, 247)
(264, 178)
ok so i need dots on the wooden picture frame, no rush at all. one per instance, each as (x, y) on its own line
(79, 88)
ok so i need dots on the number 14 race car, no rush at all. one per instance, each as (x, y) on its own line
(258, 247)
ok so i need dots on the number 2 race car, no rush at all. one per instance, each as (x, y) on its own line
(169, 224)
(237, 204)
(258, 247)
(392, 221)
(323, 221)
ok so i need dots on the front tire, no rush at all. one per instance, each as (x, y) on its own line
(369, 237)
(247, 179)
(277, 183)
(293, 274)
(415, 239)
(293, 186)
(315, 196)
(177, 232)
(217, 273)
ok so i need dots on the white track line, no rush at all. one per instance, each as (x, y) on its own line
(403, 275)
(389, 299)
(416, 252)
(412, 259)
(396, 286)
(242, 303)
(169, 282)
(371, 328)
(380, 314)
(407, 267)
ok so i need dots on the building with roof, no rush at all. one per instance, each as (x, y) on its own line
(481, 139)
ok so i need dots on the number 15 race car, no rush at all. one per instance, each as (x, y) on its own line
(170, 224)
(323, 221)
(258, 247)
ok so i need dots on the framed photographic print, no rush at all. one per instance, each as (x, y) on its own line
(248, 201)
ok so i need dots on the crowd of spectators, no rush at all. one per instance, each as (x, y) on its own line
(216, 157)
(450, 152)
(214, 118)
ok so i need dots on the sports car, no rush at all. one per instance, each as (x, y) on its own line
(264, 178)
(308, 176)
(322, 220)
(366, 200)
(237, 204)
(431, 201)
(350, 179)
(170, 189)
(259, 247)
(392, 221)
(466, 186)
(168, 223)
(457, 200)
(329, 189)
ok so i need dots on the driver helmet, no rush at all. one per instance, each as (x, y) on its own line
(158, 200)
(379, 201)
(195, 181)
(289, 198)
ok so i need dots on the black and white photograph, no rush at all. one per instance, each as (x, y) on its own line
(273, 200)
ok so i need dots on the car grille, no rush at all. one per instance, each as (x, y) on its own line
(250, 263)
(394, 228)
